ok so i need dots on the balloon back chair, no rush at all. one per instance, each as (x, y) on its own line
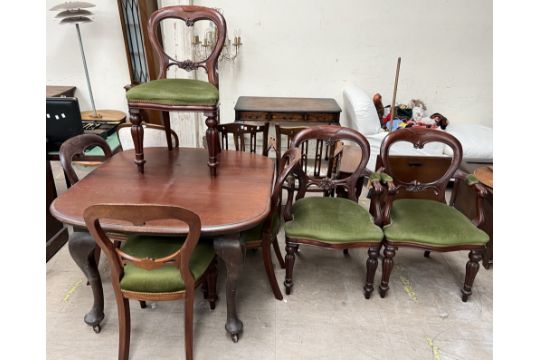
(428, 224)
(155, 268)
(331, 222)
(180, 94)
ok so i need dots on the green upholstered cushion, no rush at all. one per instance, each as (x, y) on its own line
(433, 223)
(174, 92)
(255, 233)
(332, 220)
(167, 278)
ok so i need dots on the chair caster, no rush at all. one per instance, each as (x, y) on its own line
(382, 292)
(465, 297)
(367, 295)
(97, 328)
(235, 338)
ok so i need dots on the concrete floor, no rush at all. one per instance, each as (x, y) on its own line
(326, 316)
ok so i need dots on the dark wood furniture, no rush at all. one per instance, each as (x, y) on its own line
(169, 259)
(425, 224)
(255, 108)
(465, 201)
(58, 90)
(229, 204)
(189, 15)
(309, 221)
(149, 141)
(142, 62)
(56, 233)
(239, 133)
(71, 149)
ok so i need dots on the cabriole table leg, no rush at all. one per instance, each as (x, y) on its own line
(232, 250)
(81, 247)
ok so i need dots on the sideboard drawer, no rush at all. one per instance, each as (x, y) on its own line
(323, 117)
(252, 115)
(288, 117)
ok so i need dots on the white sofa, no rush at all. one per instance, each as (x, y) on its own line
(359, 113)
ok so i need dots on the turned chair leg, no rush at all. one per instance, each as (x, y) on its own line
(371, 266)
(471, 270)
(137, 133)
(212, 142)
(211, 285)
(124, 326)
(388, 264)
(289, 264)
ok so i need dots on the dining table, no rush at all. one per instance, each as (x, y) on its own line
(237, 199)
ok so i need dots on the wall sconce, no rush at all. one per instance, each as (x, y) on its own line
(203, 48)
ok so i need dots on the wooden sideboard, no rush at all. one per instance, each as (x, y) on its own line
(276, 109)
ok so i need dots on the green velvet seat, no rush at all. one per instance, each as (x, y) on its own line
(168, 277)
(433, 223)
(175, 92)
(332, 220)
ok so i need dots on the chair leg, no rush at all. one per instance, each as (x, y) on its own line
(269, 268)
(345, 251)
(289, 264)
(188, 324)
(212, 141)
(388, 264)
(143, 304)
(211, 285)
(427, 253)
(279, 257)
(137, 133)
(470, 273)
(124, 326)
(371, 266)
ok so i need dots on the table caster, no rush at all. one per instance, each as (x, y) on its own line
(235, 338)
(97, 328)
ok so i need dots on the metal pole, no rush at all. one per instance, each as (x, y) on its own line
(86, 72)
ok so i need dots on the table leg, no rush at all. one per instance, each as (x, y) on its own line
(81, 248)
(232, 250)
(137, 133)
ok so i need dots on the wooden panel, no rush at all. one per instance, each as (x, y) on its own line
(288, 117)
(252, 116)
(323, 117)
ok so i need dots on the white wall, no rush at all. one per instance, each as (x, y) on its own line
(105, 56)
(314, 48)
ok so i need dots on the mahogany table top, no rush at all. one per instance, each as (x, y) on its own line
(236, 200)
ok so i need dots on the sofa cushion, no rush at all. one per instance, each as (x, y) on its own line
(476, 140)
(359, 112)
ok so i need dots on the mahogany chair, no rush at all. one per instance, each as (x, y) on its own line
(155, 268)
(426, 222)
(332, 222)
(154, 136)
(244, 137)
(81, 245)
(179, 94)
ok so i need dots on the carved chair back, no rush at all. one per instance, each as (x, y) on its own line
(310, 162)
(331, 135)
(190, 15)
(75, 148)
(419, 137)
(239, 134)
(139, 215)
(154, 136)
